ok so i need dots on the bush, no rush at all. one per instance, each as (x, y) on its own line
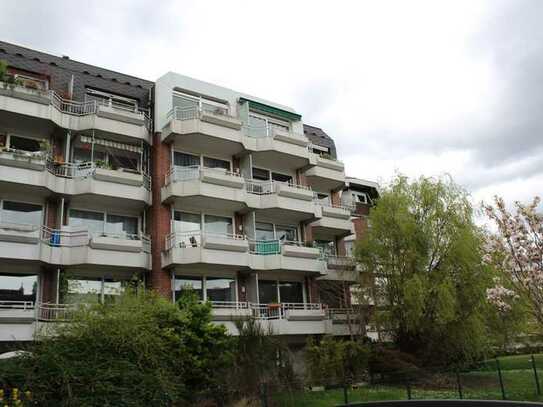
(392, 365)
(141, 351)
(333, 362)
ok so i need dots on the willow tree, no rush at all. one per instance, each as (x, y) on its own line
(426, 255)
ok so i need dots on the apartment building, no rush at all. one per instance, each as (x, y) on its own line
(106, 179)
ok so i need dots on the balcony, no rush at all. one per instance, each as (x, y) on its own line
(270, 144)
(287, 201)
(291, 318)
(205, 129)
(38, 171)
(332, 221)
(221, 189)
(285, 256)
(19, 241)
(70, 246)
(78, 116)
(340, 268)
(205, 250)
(17, 320)
(325, 173)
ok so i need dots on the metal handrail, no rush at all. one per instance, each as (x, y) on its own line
(347, 208)
(195, 112)
(24, 305)
(268, 131)
(65, 238)
(179, 173)
(229, 304)
(56, 312)
(70, 170)
(195, 238)
(270, 187)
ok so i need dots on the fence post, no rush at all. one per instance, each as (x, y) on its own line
(459, 384)
(345, 393)
(408, 388)
(264, 394)
(501, 378)
(536, 377)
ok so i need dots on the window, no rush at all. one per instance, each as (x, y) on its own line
(259, 125)
(264, 231)
(83, 155)
(188, 284)
(220, 289)
(322, 199)
(110, 99)
(360, 197)
(291, 292)
(216, 163)
(185, 160)
(267, 292)
(113, 290)
(288, 233)
(281, 177)
(187, 222)
(189, 103)
(24, 144)
(86, 291)
(122, 225)
(15, 287)
(94, 221)
(349, 248)
(327, 248)
(280, 291)
(261, 174)
(21, 213)
(218, 225)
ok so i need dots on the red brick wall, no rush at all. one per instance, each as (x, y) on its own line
(51, 220)
(160, 217)
(360, 226)
(48, 284)
(335, 198)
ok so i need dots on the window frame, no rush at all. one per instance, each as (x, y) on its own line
(203, 278)
(272, 120)
(201, 157)
(104, 214)
(202, 219)
(201, 99)
(277, 287)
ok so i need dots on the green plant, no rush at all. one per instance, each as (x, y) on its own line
(3, 70)
(103, 164)
(140, 350)
(45, 146)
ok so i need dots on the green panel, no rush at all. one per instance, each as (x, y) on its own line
(261, 107)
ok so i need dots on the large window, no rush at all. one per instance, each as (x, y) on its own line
(188, 284)
(93, 290)
(107, 154)
(218, 225)
(286, 233)
(216, 163)
(264, 231)
(185, 160)
(110, 99)
(188, 103)
(187, 222)
(220, 289)
(269, 231)
(20, 213)
(271, 291)
(259, 125)
(24, 143)
(99, 223)
(15, 287)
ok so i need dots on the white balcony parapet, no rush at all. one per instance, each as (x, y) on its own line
(211, 114)
(51, 312)
(299, 249)
(287, 189)
(19, 233)
(341, 262)
(23, 159)
(213, 241)
(288, 311)
(20, 305)
(277, 134)
(77, 108)
(208, 175)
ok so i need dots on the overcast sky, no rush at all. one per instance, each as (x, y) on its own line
(419, 87)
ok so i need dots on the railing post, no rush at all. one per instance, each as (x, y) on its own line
(459, 384)
(500, 378)
(536, 376)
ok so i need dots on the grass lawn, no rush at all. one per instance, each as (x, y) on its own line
(483, 383)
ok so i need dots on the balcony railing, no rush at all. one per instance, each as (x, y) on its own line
(50, 312)
(270, 131)
(83, 108)
(19, 305)
(195, 238)
(82, 170)
(270, 187)
(229, 304)
(340, 262)
(64, 238)
(264, 247)
(193, 172)
(328, 204)
(196, 112)
(279, 311)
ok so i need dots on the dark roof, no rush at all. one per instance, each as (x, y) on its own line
(67, 63)
(317, 136)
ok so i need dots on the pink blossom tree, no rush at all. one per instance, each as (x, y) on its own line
(516, 253)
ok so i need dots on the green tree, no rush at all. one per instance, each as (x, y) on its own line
(425, 253)
(143, 350)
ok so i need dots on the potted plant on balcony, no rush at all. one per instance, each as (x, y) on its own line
(102, 164)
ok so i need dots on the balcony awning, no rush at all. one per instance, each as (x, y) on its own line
(111, 144)
(267, 109)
